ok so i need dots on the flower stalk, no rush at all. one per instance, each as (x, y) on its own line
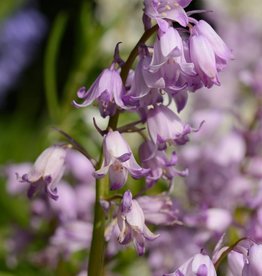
(98, 246)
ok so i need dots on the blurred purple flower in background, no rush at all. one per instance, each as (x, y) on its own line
(200, 265)
(20, 37)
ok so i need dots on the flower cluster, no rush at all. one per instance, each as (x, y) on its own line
(217, 168)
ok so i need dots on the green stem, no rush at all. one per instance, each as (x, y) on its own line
(97, 250)
(125, 69)
(53, 46)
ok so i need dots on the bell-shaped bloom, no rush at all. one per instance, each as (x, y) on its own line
(158, 210)
(169, 48)
(108, 90)
(253, 267)
(208, 52)
(46, 172)
(159, 164)
(165, 126)
(163, 10)
(198, 265)
(170, 64)
(203, 57)
(131, 223)
(222, 53)
(143, 81)
(118, 161)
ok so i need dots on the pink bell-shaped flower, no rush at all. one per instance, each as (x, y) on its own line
(118, 161)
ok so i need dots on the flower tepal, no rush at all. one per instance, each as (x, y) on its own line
(46, 172)
(118, 161)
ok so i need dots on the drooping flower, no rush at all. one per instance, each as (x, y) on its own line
(165, 126)
(46, 172)
(203, 57)
(108, 90)
(170, 63)
(166, 11)
(208, 52)
(143, 81)
(118, 161)
(200, 265)
(169, 56)
(222, 53)
(131, 223)
(159, 164)
(158, 210)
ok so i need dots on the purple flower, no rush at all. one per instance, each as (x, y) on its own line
(158, 210)
(20, 37)
(108, 90)
(169, 55)
(213, 219)
(165, 126)
(131, 223)
(203, 57)
(144, 85)
(159, 164)
(222, 53)
(118, 161)
(208, 52)
(46, 172)
(172, 10)
(200, 265)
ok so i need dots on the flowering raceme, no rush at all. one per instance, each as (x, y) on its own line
(184, 56)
